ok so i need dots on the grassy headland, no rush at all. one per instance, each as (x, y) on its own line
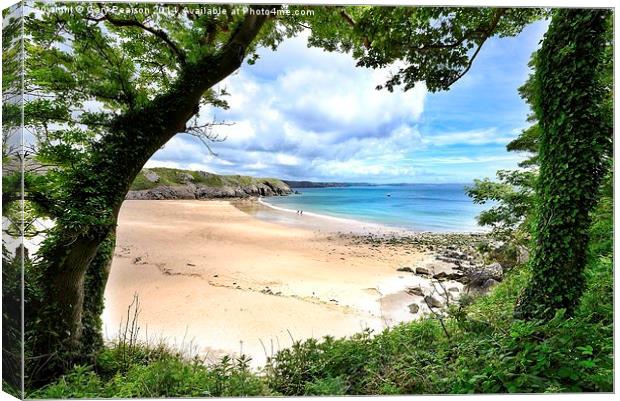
(178, 177)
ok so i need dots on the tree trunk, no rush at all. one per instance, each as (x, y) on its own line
(574, 138)
(94, 287)
(78, 250)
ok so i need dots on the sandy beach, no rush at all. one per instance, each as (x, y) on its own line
(218, 279)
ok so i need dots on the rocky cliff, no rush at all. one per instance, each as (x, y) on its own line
(167, 183)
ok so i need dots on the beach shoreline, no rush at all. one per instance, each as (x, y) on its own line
(216, 278)
(261, 209)
(330, 223)
(411, 208)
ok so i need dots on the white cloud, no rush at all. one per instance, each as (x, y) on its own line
(238, 133)
(287, 160)
(247, 91)
(318, 91)
(257, 166)
(302, 113)
(314, 109)
(179, 148)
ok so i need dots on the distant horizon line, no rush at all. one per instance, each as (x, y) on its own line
(371, 183)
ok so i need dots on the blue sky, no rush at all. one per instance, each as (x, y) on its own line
(302, 113)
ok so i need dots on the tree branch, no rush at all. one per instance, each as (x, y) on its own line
(149, 128)
(486, 35)
(349, 20)
(180, 55)
(204, 132)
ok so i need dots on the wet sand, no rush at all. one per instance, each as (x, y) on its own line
(211, 276)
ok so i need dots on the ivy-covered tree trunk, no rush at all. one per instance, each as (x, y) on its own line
(94, 287)
(573, 142)
(75, 255)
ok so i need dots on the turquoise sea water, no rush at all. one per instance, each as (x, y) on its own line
(417, 207)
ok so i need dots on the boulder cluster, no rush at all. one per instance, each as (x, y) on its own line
(456, 265)
(451, 265)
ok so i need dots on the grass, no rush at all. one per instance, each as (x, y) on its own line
(162, 374)
(172, 177)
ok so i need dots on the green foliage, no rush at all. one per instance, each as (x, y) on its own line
(513, 196)
(173, 177)
(147, 75)
(12, 40)
(17, 216)
(572, 166)
(329, 386)
(602, 229)
(437, 45)
(12, 319)
(154, 373)
(527, 142)
(488, 350)
(575, 137)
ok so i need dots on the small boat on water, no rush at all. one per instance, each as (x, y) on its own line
(389, 195)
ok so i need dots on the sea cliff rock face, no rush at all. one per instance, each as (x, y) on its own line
(191, 190)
